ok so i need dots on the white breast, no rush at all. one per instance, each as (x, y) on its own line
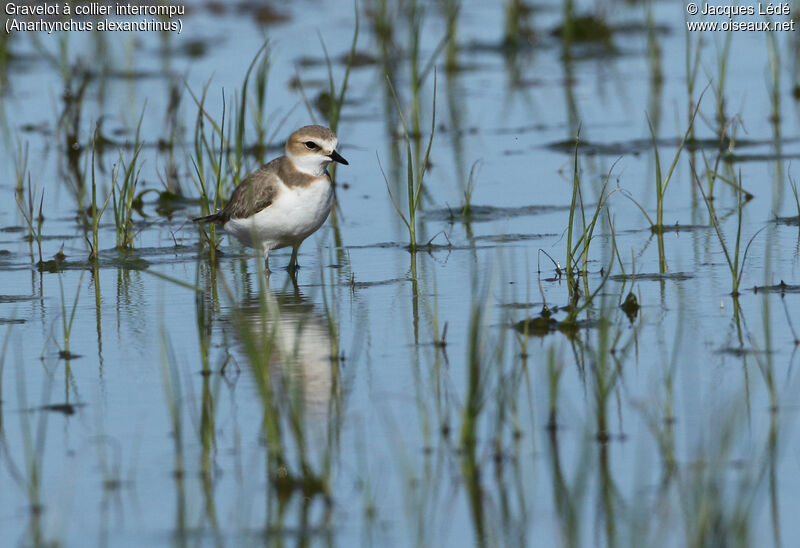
(295, 214)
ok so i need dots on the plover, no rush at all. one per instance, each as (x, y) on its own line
(285, 201)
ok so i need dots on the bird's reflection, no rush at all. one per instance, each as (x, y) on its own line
(291, 336)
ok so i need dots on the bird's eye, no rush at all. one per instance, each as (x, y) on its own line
(311, 145)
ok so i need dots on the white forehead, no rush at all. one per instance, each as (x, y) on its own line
(318, 134)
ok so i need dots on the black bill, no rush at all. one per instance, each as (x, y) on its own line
(336, 157)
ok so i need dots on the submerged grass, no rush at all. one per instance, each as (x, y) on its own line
(260, 103)
(723, 56)
(97, 214)
(67, 319)
(793, 184)
(33, 223)
(203, 149)
(3, 351)
(693, 48)
(415, 173)
(477, 371)
(466, 207)
(735, 266)
(774, 56)
(123, 192)
(663, 180)
(260, 59)
(219, 162)
(173, 395)
(577, 254)
(336, 101)
(29, 475)
(290, 467)
(20, 166)
(517, 31)
(233, 140)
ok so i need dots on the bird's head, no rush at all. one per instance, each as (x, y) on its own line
(312, 148)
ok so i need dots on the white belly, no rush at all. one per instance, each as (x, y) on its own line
(296, 213)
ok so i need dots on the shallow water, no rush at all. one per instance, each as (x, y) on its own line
(677, 425)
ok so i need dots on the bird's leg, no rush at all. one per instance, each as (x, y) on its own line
(266, 261)
(293, 266)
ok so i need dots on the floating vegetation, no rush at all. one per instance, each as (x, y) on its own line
(545, 323)
(638, 146)
(585, 28)
(781, 288)
(17, 298)
(652, 277)
(484, 213)
(630, 306)
(62, 408)
(789, 221)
